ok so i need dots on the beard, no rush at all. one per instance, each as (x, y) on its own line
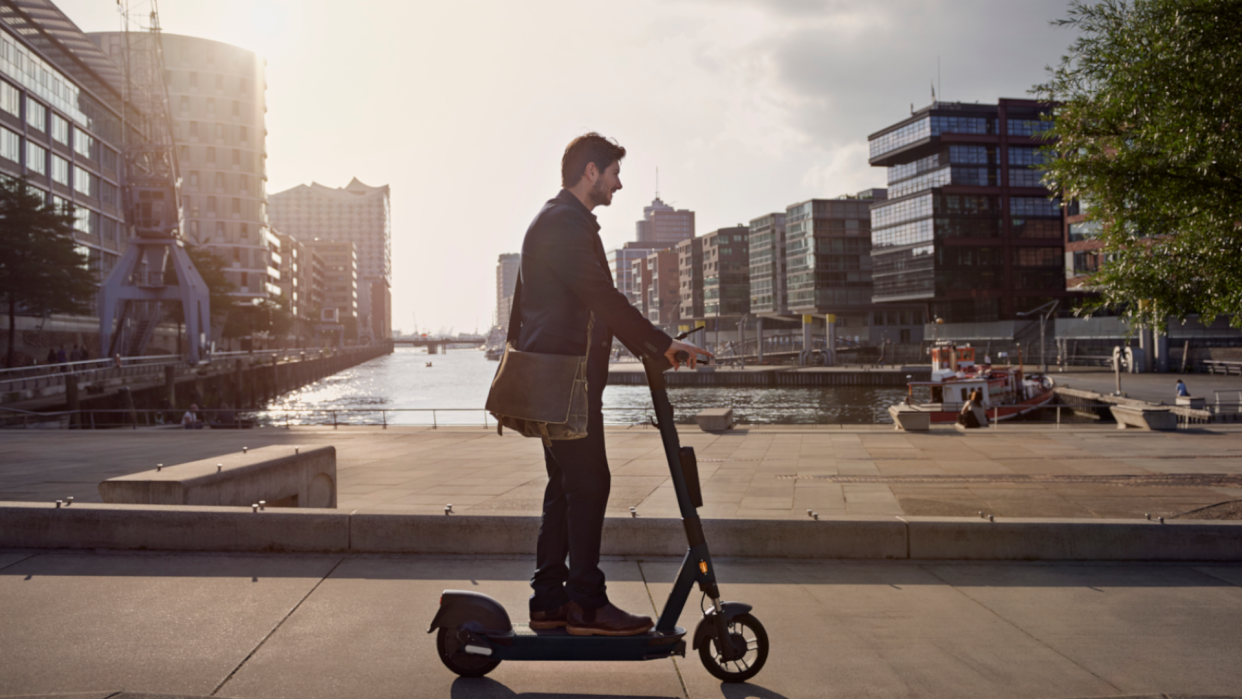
(600, 194)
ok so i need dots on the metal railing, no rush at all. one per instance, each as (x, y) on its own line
(435, 418)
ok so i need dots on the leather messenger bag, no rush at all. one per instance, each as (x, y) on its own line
(539, 395)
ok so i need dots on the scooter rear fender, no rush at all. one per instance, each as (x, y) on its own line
(707, 625)
(458, 607)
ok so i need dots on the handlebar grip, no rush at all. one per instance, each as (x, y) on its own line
(682, 356)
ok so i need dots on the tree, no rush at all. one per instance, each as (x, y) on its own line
(41, 270)
(211, 268)
(1149, 131)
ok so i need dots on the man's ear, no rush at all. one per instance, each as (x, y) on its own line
(591, 173)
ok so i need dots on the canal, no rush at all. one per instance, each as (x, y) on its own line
(405, 387)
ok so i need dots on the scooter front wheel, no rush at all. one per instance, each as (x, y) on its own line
(457, 659)
(744, 630)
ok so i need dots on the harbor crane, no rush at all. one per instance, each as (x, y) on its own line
(155, 268)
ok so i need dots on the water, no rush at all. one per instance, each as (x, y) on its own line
(401, 389)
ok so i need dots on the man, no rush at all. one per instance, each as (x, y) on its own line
(565, 278)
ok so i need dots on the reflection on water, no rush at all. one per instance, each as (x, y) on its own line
(401, 389)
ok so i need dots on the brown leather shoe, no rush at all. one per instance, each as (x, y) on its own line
(605, 621)
(553, 619)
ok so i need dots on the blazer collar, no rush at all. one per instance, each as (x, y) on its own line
(568, 199)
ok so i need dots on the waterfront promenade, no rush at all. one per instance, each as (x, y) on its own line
(329, 626)
(1031, 470)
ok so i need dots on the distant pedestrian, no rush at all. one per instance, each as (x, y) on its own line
(1181, 390)
(51, 355)
(84, 354)
(190, 420)
(61, 358)
(75, 355)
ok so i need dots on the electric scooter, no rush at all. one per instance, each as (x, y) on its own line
(475, 633)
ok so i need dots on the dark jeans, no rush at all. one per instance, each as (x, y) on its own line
(573, 520)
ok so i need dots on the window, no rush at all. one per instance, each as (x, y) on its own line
(245, 231)
(84, 182)
(1038, 257)
(244, 86)
(245, 184)
(236, 157)
(236, 205)
(36, 158)
(193, 129)
(211, 105)
(220, 132)
(242, 134)
(219, 82)
(11, 145)
(220, 230)
(10, 98)
(185, 103)
(194, 178)
(185, 154)
(60, 129)
(211, 205)
(82, 221)
(60, 170)
(36, 115)
(211, 155)
(108, 193)
(193, 79)
(1034, 206)
(236, 108)
(219, 180)
(83, 143)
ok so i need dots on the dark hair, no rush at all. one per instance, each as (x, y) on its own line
(588, 148)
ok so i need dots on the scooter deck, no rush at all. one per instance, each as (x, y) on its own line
(524, 643)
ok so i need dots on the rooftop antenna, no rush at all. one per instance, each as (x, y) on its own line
(939, 87)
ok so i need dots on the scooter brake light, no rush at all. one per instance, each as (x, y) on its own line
(478, 650)
(702, 566)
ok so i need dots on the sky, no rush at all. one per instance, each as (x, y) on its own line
(464, 108)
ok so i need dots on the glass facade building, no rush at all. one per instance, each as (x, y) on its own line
(967, 229)
(726, 272)
(828, 254)
(60, 124)
(767, 266)
(690, 278)
(664, 225)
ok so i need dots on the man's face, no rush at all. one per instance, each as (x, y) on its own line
(608, 182)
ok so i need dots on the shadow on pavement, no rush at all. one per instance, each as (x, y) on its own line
(486, 688)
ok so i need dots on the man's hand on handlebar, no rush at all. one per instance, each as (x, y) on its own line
(690, 356)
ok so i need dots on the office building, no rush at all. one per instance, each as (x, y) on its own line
(217, 101)
(768, 296)
(640, 285)
(1082, 248)
(340, 282)
(621, 265)
(354, 213)
(61, 125)
(690, 281)
(665, 225)
(828, 259)
(507, 269)
(301, 284)
(663, 297)
(967, 231)
(726, 276)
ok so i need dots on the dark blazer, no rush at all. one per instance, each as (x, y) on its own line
(564, 277)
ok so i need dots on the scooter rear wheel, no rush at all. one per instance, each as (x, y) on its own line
(458, 660)
(743, 628)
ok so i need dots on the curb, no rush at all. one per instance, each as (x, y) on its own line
(187, 528)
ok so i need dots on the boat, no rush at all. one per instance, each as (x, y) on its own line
(1006, 392)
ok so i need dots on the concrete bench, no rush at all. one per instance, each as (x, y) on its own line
(1192, 402)
(283, 476)
(909, 419)
(1150, 419)
(715, 419)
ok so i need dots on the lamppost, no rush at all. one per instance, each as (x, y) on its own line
(1051, 307)
(741, 338)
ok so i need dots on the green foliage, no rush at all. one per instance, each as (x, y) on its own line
(41, 270)
(1149, 139)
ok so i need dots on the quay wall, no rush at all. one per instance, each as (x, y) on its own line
(126, 395)
(778, 377)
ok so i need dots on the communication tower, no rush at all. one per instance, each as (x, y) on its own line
(155, 269)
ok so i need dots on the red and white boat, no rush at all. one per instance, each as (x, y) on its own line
(1007, 391)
